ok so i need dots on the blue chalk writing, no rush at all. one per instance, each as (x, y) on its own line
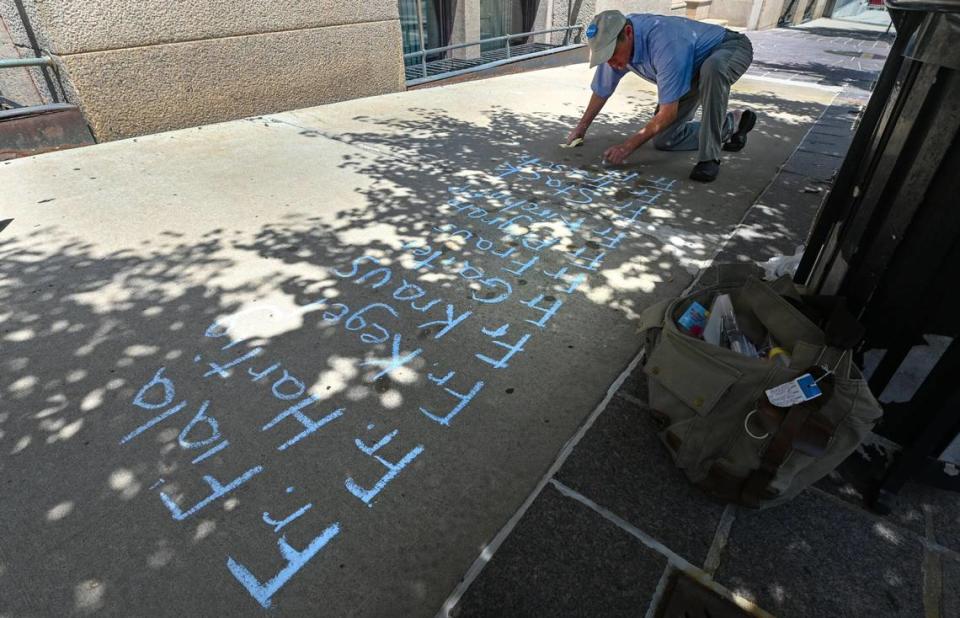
(396, 361)
(200, 417)
(629, 214)
(496, 332)
(259, 375)
(157, 419)
(548, 312)
(535, 243)
(522, 267)
(508, 169)
(663, 183)
(571, 192)
(156, 380)
(580, 260)
(646, 196)
(561, 275)
(512, 348)
(393, 469)
(264, 591)
(609, 239)
(280, 525)
(355, 266)
(298, 387)
(218, 491)
(449, 323)
(357, 322)
(385, 275)
(370, 450)
(310, 425)
(406, 292)
(463, 399)
(211, 452)
(224, 370)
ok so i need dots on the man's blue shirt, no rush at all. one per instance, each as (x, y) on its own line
(667, 51)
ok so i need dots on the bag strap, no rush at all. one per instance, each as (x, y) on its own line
(802, 428)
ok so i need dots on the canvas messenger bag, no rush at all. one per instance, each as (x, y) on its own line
(711, 405)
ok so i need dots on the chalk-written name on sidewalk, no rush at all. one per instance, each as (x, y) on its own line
(517, 234)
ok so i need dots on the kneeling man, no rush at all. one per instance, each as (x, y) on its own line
(693, 65)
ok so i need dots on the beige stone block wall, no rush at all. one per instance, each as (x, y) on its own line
(141, 90)
(636, 6)
(820, 8)
(770, 14)
(572, 12)
(139, 66)
(466, 28)
(698, 9)
(736, 12)
(800, 9)
(75, 26)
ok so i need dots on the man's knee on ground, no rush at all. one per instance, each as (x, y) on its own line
(664, 141)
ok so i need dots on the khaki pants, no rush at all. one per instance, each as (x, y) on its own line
(710, 90)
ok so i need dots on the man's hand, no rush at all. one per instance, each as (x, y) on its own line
(665, 116)
(578, 132)
(593, 108)
(619, 153)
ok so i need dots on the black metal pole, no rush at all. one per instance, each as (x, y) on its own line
(839, 201)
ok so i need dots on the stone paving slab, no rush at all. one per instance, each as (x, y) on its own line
(822, 51)
(829, 561)
(951, 588)
(564, 560)
(622, 466)
(827, 145)
(909, 507)
(814, 165)
(780, 221)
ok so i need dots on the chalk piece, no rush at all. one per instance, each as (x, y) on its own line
(573, 144)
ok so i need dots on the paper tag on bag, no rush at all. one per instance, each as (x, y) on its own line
(793, 392)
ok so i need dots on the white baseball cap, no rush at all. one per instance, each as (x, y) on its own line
(602, 35)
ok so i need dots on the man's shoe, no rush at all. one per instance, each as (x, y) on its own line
(739, 139)
(705, 171)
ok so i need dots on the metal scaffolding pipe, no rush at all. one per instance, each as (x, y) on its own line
(42, 61)
(437, 50)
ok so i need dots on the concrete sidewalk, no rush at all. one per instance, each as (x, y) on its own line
(383, 320)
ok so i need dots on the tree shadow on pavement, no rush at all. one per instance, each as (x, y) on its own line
(84, 330)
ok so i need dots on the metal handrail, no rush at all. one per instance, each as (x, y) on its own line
(29, 110)
(434, 50)
(11, 63)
